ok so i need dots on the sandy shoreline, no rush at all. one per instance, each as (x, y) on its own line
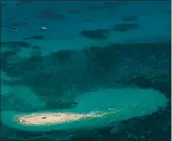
(53, 118)
(58, 118)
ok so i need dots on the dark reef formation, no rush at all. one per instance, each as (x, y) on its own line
(99, 34)
(50, 14)
(144, 65)
(123, 27)
(16, 44)
(130, 18)
(68, 72)
(35, 37)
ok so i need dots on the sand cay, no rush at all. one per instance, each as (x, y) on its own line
(96, 109)
(57, 118)
(51, 118)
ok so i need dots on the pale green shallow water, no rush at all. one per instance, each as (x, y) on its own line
(133, 103)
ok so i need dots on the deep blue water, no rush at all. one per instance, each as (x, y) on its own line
(59, 47)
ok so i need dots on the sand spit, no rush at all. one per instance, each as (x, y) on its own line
(58, 118)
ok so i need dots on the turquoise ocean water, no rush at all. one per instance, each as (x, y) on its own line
(82, 57)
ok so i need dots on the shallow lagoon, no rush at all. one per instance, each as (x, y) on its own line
(52, 52)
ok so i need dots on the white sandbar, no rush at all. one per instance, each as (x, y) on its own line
(96, 109)
(52, 118)
(57, 118)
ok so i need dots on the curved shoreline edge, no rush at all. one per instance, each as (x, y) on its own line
(51, 118)
(111, 106)
(60, 118)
